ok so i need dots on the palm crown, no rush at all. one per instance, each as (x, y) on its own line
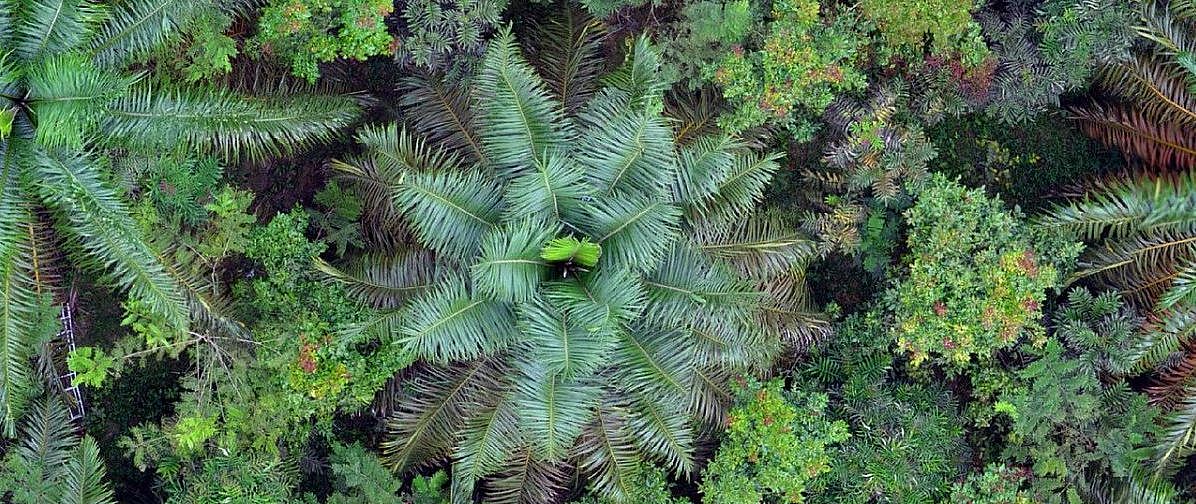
(595, 284)
(66, 99)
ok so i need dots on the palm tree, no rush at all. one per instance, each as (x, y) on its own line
(68, 96)
(49, 463)
(578, 289)
(1143, 232)
(1151, 110)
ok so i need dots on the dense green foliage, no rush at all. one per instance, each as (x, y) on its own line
(598, 251)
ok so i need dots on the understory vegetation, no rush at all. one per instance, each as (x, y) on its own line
(598, 252)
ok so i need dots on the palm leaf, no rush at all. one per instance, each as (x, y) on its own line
(560, 343)
(627, 152)
(554, 189)
(222, 123)
(600, 301)
(52, 27)
(1179, 435)
(526, 481)
(446, 325)
(607, 453)
(639, 77)
(700, 166)
(83, 481)
(384, 282)
(450, 211)
(510, 267)
(1156, 142)
(632, 234)
(69, 95)
(518, 120)
(101, 223)
(553, 409)
(649, 361)
(738, 190)
(764, 246)
(424, 427)
(663, 431)
(135, 28)
(18, 303)
(488, 438)
(440, 111)
(569, 56)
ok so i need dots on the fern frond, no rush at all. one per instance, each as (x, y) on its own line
(222, 123)
(518, 119)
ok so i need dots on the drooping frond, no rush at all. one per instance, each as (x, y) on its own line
(222, 123)
(552, 409)
(787, 311)
(553, 189)
(450, 211)
(1155, 142)
(518, 119)
(384, 282)
(103, 228)
(440, 111)
(561, 343)
(526, 481)
(625, 151)
(663, 431)
(446, 324)
(764, 246)
(1179, 437)
(632, 234)
(69, 95)
(134, 28)
(686, 284)
(424, 427)
(52, 27)
(607, 453)
(568, 54)
(489, 437)
(18, 303)
(510, 267)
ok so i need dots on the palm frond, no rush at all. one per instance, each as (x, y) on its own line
(648, 361)
(440, 111)
(526, 481)
(488, 438)
(554, 189)
(52, 27)
(134, 28)
(1174, 332)
(686, 285)
(1179, 435)
(569, 57)
(1156, 142)
(606, 452)
(450, 212)
(560, 343)
(510, 267)
(764, 246)
(446, 324)
(424, 428)
(639, 76)
(701, 164)
(518, 119)
(553, 409)
(45, 442)
(632, 233)
(222, 123)
(83, 481)
(381, 281)
(600, 301)
(663, 430)
(100, 222)
(739, 190)
(69, 95)
(18, 302)
(625, 151)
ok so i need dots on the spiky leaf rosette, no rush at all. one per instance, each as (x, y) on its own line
(597, 327)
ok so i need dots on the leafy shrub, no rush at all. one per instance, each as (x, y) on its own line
(977, 277)
(802, 63)
(707, 30)
(904, 26)
(775, 447)
(998, 484)
(305, 33)
(446, 34)
(648, 486)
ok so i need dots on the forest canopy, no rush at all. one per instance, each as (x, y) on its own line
(598, 251)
